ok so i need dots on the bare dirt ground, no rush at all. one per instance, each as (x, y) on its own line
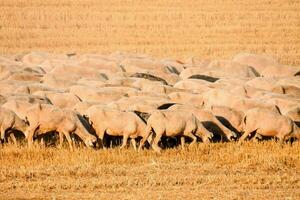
(206, 171)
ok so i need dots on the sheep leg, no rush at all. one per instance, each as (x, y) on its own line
(61, 140)
(258, 137)
(101, 137)
(282, 140)
(12, 137)
(290, 139)
(69, 139)
(133, 142)
(142, 142)
(42, 143)
(29, 134)
(145, 137)
(228, 133)
(194, 138)
(244, 136)
(150, 139)
(2, 133)
(125, 139)
(155, 143)
(182, 140)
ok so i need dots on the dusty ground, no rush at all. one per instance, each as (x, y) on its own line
(220, 171)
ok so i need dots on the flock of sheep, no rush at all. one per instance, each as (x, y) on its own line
(144, 99)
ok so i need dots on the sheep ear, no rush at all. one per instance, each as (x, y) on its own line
(26, 121)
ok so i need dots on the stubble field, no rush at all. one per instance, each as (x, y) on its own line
(223, 171)
(206, 29)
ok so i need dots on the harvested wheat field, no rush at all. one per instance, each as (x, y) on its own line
(221, 171)
(149, 99)
(209, 29)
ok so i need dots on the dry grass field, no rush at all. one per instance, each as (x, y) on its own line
(222, 171)
(176, 28)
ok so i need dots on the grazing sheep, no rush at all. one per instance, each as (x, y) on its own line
(270, 124)
(174, 123)
(9, 121)
(46, 118)
(116, 123)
